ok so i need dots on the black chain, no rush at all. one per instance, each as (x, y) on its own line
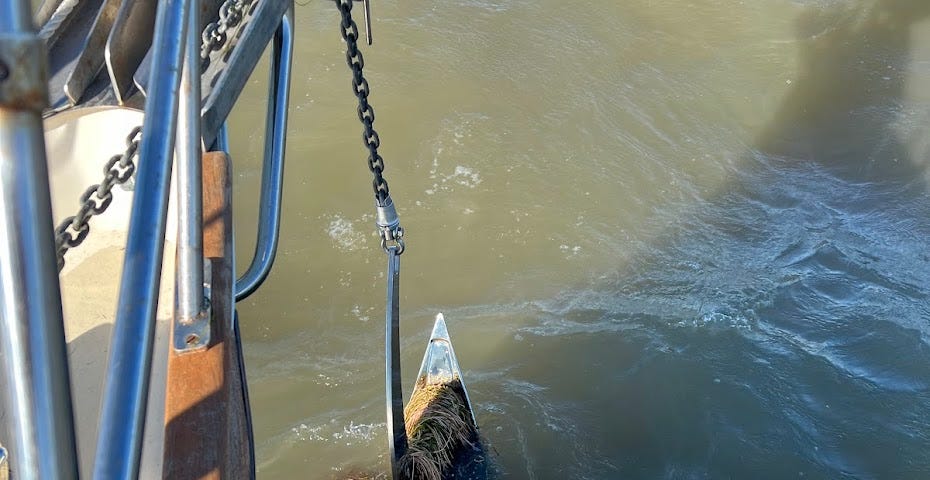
(366, 114)
(72, 231)
(214, 35)
(95, 200)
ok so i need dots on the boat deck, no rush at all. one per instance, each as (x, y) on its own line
(91, 275)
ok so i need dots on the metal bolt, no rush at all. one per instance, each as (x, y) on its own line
(191, 338)
(4, 71)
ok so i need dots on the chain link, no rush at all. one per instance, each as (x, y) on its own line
(95, 200)
(214, 35)
(72, 231)
(366, 113)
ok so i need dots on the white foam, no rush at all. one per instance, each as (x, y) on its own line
(362, 432)
(344, 234)
(719, 319)
(464, 176)
(357, 311)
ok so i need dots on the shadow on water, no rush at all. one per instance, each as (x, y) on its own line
(842, 110)
(779, 327)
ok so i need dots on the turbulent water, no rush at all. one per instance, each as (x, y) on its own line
(672, 239)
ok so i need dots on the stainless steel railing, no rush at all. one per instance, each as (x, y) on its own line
(190, 278)
(32, 341)
(269, 221)
(119, 444)
(32, 344)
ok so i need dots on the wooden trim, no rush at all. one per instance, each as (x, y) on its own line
(206, 424)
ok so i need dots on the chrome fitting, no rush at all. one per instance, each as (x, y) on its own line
(389, 225)
(22, 72)
(193, 334)
(387, 214)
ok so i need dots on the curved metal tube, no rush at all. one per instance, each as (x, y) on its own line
(269, 221)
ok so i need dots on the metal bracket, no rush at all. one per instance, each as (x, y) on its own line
(193, 334)
(397, 433)
(224, 79)
(386, 215)
(22, 72)
(389, 226)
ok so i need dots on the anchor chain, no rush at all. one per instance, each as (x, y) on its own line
(214, 34)
(72, 231)
(391, 238)
(388, 223)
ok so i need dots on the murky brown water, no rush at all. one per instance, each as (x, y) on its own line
(681, 239)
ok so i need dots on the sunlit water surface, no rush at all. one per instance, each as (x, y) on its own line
(672, 239)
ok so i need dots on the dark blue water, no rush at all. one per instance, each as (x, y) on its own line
(777, 327)
(780, 331)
